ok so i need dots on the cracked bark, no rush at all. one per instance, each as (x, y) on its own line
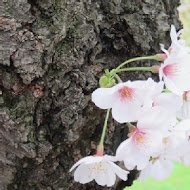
(52, 54)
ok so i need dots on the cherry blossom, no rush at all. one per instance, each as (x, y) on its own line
(102, 169)
(161, 165)
(145, 140)
(175, 72)
(127, 99)
(161, 135)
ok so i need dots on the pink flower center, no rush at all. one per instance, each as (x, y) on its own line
(138, 136)
(170, 70)
(126, 93)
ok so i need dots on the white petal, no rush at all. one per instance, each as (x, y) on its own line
(136, 158)
(186, 159)
(156, 118)
(104, 97)
(162, 47)
(85, 159)
(105, 176)
(119, 172)
(83, 174)
(173, 34)
(111, 179)
(124, 148)
(183, 126)
(131, 156)
(124, 112)
(171, 102)
(159, 170)
(171, 86)
(162, 170)
(184, 113)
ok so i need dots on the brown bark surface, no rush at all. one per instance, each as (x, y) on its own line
(52, 53)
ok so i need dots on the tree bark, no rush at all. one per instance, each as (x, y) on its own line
(52, 54)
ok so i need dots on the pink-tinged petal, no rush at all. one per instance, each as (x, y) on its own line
(176, 71)
(138, 95)
(170, 70)
(150, 143)
(118, 171)
(104, 97)
(170, 101)
(131, 156)
(126, 94)
(83, 174)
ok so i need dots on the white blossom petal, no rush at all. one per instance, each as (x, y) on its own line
(127, 99)
(98, 168)
(86, 159)
(118, 171)
(83, 174)
(170, 101)
(123, 112)
(158, 170)
(156, 118)
(104, 97)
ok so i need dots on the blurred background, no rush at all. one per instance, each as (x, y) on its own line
(184, 13)
(180, 178)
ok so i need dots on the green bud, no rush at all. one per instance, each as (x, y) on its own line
(106, 82)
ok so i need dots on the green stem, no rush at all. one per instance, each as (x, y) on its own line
(136, 59)
(101, 144)
(118, 78)
(129, 126)
(135, 69)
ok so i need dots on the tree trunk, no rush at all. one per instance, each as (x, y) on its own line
(52, 54)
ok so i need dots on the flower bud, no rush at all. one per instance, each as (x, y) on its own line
(106, 82)
(160, 57)
(155, 68)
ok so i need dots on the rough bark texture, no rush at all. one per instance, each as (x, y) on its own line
(52, 53)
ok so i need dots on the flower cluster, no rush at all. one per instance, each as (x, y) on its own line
(161, 111)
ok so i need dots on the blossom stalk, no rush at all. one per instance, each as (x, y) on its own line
(101, 144)
(136, 69)
(154, 57)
